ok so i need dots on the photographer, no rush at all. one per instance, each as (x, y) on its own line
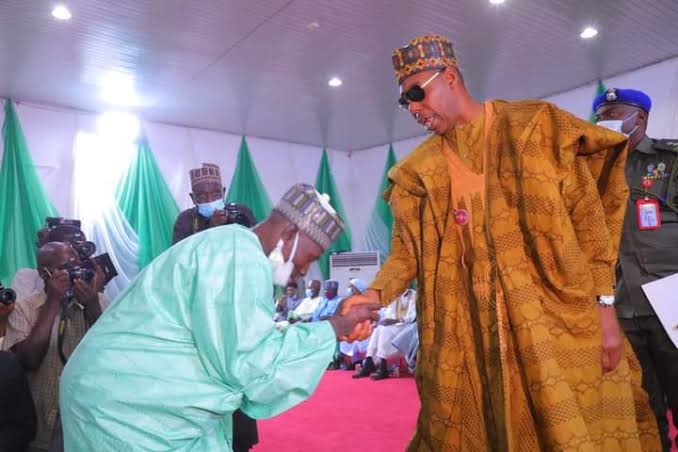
(27, 281)
(207, 193)
(45, 328)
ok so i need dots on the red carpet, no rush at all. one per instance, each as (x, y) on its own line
(346, 415)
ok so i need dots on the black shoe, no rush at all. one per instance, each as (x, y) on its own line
(351, 366)
(367, 369)
(334, 365)
(381, 374)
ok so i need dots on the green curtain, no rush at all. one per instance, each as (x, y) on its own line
(379, 229)
(324, 183)
(147, 203)
(246, 187)
(24, 205)
(600, 89)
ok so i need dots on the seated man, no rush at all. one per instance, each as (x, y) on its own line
(288, 302)
(45, 328)
(193, 338)
(328, 305)
(207, 193)
(304, 312)
(353, 350)
(398, 315)
(27, 281)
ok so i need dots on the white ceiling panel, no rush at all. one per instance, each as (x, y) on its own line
(254, 67)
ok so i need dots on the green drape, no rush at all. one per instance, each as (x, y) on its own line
(379, 229)
(600, 89)
(24, 205)
(324, 183)
(246, 187)
(147, 203)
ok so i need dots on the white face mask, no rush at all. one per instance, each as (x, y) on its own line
(616, 125)
(282, 270)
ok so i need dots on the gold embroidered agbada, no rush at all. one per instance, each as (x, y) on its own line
(510, 353)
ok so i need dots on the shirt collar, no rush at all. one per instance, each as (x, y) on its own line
(646, 146)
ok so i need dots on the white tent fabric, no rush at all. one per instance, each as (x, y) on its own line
(96, 172)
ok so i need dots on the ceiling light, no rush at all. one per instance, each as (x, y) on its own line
(313, 26)
(118, 88)
(497, 2)
(588, 33)
(61, 12)
(335, 82)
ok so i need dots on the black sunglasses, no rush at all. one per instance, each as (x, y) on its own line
(416, 93)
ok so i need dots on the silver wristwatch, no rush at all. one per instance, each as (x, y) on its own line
(606, 301)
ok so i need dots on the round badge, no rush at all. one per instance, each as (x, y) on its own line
(461, 217)
(646, 182)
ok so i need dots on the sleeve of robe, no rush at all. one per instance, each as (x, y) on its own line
(594, 191)
(236, 336)
(400, 268)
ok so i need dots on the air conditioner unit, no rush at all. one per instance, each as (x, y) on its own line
(345, 266)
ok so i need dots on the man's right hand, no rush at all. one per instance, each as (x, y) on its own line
(345, 320)
(57, 286)
(363, 329)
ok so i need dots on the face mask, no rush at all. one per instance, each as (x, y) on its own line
(616, 125)
(282, 270)
(309, 293)
(207, 209)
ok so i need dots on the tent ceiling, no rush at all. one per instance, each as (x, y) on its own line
(254, 67)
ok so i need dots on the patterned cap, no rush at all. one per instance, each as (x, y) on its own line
(311, 212)
(424, 53)
(208, 173)
(630, 97)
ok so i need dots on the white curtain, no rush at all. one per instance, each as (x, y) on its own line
(98, 166)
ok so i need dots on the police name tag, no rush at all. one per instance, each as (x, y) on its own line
(649, 216)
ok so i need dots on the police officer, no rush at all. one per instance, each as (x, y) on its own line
(649, 245)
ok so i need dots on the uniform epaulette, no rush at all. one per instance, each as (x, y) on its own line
(667, 144)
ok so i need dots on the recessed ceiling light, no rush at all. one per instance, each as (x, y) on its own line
(588, 33)
(497, 2)
(313, 26)
(119, 88)
(335, 82)
(61, 12)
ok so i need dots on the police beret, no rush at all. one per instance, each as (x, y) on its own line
(631, 97)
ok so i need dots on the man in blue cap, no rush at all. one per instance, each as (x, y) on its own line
(649, 245)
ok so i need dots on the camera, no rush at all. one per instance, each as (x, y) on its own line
(53, 222)
(7, 296)
(85, 249)
(236, 215)
(80, 272)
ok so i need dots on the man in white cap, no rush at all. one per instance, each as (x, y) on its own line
(192, 339)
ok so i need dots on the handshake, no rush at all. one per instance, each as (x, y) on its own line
(354, 316)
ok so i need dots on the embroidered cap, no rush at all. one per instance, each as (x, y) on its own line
(311, 212)
(423, 53)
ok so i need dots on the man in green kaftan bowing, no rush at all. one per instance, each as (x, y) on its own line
(192, 339)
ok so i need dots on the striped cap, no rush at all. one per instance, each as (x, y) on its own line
(311, 212)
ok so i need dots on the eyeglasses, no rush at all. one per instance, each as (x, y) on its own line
(416, 93)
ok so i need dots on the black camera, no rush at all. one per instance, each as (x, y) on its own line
(53, 222)
(236, 215)
(7, 296)
(82, 272)
(85, 249)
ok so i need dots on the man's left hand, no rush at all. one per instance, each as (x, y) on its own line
(613, 340)
(219, 218)
(86, 293)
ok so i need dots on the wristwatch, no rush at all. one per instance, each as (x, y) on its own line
(606, 301)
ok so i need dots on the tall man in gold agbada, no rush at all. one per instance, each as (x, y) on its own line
(509, 218)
